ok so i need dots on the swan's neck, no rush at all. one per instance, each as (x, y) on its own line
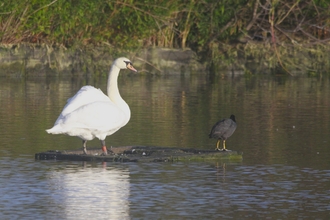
(113, 91)
(112, 86)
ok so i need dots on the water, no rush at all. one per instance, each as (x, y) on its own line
(283, 130)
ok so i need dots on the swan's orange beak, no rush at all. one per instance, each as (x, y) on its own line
(130, 67)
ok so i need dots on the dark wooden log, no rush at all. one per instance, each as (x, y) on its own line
(139, 154)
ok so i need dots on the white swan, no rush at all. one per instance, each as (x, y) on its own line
(90, 113)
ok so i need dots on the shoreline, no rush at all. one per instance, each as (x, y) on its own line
(251, 58)
(96, 60)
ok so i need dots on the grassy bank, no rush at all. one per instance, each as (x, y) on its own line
(219, 32)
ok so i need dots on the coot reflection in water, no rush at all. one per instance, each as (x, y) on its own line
(210, 191)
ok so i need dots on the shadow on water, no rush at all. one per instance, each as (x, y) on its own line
(283, 130)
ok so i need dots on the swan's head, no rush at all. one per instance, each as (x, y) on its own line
(124, 63)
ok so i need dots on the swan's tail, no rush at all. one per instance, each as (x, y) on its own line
(55, 130)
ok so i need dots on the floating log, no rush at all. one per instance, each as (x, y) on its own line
(139, 154)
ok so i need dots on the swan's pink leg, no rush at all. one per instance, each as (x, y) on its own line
(104, 148)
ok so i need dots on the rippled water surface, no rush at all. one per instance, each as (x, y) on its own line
(67, 190)
(283, 131)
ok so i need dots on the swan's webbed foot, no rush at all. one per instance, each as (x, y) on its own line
(104, 150)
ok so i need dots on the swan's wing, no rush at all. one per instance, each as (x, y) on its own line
(86, 95)
(96, 118)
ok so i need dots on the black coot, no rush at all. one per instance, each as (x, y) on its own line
(222, 130)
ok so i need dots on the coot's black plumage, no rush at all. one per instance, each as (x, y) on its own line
(222, 130)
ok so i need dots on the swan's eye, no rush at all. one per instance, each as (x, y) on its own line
(128, 64)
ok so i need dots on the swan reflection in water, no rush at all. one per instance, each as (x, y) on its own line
(92, 192)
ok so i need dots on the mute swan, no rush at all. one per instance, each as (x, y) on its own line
(222, 130)
(90, 113)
